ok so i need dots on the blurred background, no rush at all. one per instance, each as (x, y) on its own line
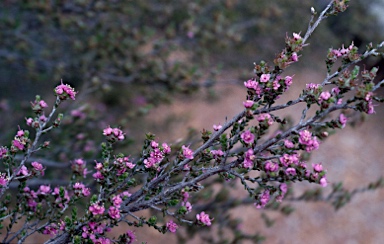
(175, 67)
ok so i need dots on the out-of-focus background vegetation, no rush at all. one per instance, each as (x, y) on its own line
(127, 58)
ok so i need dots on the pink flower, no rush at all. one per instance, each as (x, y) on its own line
(264, 199)
(324, 96)
(323, 181)
(3, 179)
(271, 166)
(267, 117)
(312, 87)
(98, 176)
(335, 90)
(172, 226)
(125, 194)
(265, 78)
(113, 134)
(43, 104)
(217, 153)
(166, 148)
(247, 137)
(114, 212)
(29, 121)
(275, 84)
(294, 57)
(248, 104)
(44, 189)
(187, 153)
(305, 137)
(287, 159)
(251, 84)
(290, 171)
(204, 218)
(342, 120)
(283, 188)
(248, 159)
(288, 80)
(154, 144)
(288, 144)
(217, 127)
(296, 36)
(50, 230)
(116, 201)
(18, 144)
(188, 206)
(149, 162)
(317, 167)
(23, 171)
(37, 166)
(3, 152)
(65, 91)
(96, 209)
(131, 236)
(313, 144)
(86, 191)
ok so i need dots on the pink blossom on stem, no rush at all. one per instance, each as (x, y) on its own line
(187, 153)
(343, 120)
(38, 167)
(248, 137)
(114, 212)
(172, 226)
(203, 218)
(166, 148)
(265, 78)
(116, 201)
(96, 209)
(44, 189)
(294, 57)
(290, 171)
(276, 84)
(154, 144)
(3, 179)
(18, 144)
(188, 206)
(248, 103)
(264, 199)
(251, 84)
(248, 159)
(113, 134)
(324, 96)
(217, 153)
(23, 171)
(323, 181)
(29, 121)
(305, 137)
(65, 91)
(271, 166)
(288, 81)
(288, 144)
(296, 36)
(51, 230)
(3, 152)
(217, 127)
(317, 167)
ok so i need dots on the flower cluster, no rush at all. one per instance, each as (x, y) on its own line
(310, 142)
(157, 154)
(21, 141)
(203, 219)
(113, 134)
(65, 91)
